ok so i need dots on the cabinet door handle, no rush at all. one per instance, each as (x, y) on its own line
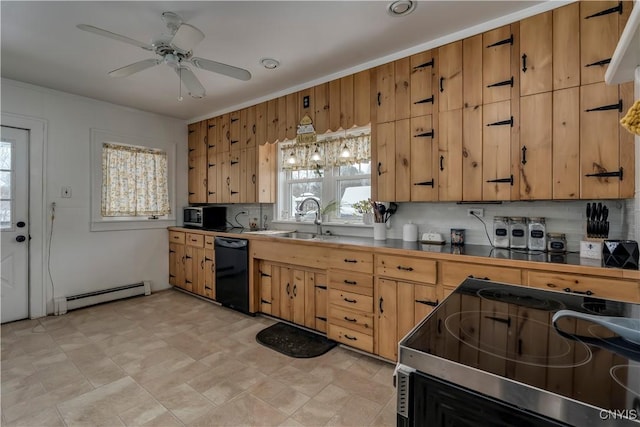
(202, 264)
(524, 155)
(253, 178)
(350, 282)
(295, 287)
(379, 96)
(380, 306)
(352, 301)
(288, 289)
(213, 268)
(427, 302)
(183, 260)
(588, 292)
(350, 260)
(439, 326)
(441, 82)
(524, 62)
(379, 169)
(349, 319)
(349, 337)
(228, 181)
(254, 129)
(441, 163)
(400, 267)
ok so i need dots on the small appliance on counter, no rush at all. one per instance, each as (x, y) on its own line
(620, 254)
(205, 217)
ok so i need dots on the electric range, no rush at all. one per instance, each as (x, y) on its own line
(491, 354)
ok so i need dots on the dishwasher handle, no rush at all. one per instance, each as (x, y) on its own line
(224, 242)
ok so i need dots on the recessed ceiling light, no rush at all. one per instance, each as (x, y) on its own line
(401, 7)
(269, 63)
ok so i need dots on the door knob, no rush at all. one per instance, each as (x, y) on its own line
(20, 224)
(20, 238)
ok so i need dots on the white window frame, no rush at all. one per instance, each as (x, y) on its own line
(100, 223)
(11, 226)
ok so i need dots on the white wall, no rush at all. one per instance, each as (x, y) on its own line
(84, 261)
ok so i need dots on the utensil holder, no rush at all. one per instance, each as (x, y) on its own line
(379, 231)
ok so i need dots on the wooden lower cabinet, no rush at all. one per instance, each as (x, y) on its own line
(451, 274)
(176, 264)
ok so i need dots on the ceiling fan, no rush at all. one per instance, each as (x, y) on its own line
(176, 50)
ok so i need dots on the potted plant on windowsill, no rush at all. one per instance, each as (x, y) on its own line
(363, 207)
(327, 210)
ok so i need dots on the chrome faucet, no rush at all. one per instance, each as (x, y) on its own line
(317, 221)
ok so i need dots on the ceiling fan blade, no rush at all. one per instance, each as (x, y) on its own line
(220, 68)
(109, 34)
(191, 82)
(186, 38)
(134, 68)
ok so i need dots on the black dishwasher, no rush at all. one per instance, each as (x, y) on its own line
(232, 275)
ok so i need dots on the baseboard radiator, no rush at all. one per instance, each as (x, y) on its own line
(64, 304)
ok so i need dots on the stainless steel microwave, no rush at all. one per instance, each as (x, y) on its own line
(207, 217)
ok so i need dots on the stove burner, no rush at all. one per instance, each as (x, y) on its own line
(627, 376)
(528, 301)
(567, 354)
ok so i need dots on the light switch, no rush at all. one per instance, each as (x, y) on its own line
(66, 192)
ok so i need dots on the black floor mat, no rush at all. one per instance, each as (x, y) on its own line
(294, 342)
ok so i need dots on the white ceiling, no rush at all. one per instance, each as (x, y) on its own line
(314, 41)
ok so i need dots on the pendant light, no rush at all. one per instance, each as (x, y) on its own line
(316, 155)
(292, 158)
(345, 153)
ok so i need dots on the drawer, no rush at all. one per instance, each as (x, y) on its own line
(406, 268)
(176, 237)
(351, 282)
(196, 240)
(350, 337)
(351, 300)
(361, 262)
(597, 287)
(208, 242)
(454, 273)
(356, 320)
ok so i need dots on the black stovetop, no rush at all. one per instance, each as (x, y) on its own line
(508, 331)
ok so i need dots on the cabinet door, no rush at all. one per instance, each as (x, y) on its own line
(266, 287)
(286, 294)
(225, 177)
(406, 309)
(189, 276)
(423, 144)
(385, 102)
(566, 143)
(423, 95)
(212, 135)
(450, 155)
(425, 301)
(267, 164)
(272, 120)
(223, 133)
(386, 319)
(261, 123)
(536, 50)
(598, 38)
(197, 176)
(497, 79)
(496, 151)
(321, 302)
(599, 147)
(248, 175)
(334, 105)
(292, 120)
(322, 107)
(297, 296)
(346, 102)
(403, 161)
(535, 147)
(402, 76)
(213, 171)
(309, 299)
(234, 131)
(248, 127)
(362, 98)
(450, 76)
(209, 271)
(386, 168)
(176, 266)
(234, 177)
(472, 50)
(566, 46)
(198, 271)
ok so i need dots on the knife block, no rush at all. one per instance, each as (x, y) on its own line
(591, 248)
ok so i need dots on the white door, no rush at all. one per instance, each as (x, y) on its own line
(14, 223)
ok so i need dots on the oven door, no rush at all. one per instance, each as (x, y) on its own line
(424, 400)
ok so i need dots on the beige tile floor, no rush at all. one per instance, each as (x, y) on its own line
(170, 359)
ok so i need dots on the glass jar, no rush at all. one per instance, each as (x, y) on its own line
(556, 242)
(501, 232)
(537, 234)
(518, 232)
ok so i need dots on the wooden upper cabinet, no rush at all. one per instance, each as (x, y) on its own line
(272, 120)
(248, 127)
(536, 54)
(234, 177)
(224, 181)
(306, 104)
(346, 102)
(449, 160)
(566, 147)
(261, 123)
(212, 154)
(566, 46)
(334, 105)
(450, 76)
(292, 120)
(267, 171)
(223, 133)
(248, 175)
(234, 130)
(197, 175)
(535, 146)
(423, 146)
(497, 77)
(362, 98)
(385, 100)
(322, 108)
(599, 142)
(472, 50)
(423, 96)
(598, 37)
(385, 167)
(212, 135)
(402, 78)
(497, 176)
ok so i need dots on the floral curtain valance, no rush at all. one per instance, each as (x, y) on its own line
(134, 181)
(327, 153)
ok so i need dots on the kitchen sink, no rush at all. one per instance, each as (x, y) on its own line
(301, 235)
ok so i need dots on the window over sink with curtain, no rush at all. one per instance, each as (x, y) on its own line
(333, 171)
(132, 182)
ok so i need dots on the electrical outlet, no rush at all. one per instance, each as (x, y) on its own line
(66, 192)
(479, 212)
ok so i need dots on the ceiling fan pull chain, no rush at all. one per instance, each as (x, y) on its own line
(179, 83)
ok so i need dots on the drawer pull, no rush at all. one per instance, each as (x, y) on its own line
(352, 301)
(588, 292)
(194, 240)
(427, 302)
(350, 260)
(350, 282)
(350, 337)
(405, 268)
(348, 319)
